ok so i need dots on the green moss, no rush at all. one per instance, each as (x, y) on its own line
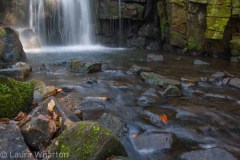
(3, 32)
(82, 141)
(194, 45)
(15, 96)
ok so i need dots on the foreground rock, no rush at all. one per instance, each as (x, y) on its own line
(154, 58)
(235, 82)
(83, 67)
(87, 140)
(158, 80)
(15, 96)
(12, 142)
(38, 131)
(11, 49)
(209, 154)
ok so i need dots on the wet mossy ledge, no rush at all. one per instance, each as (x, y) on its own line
(15, 96)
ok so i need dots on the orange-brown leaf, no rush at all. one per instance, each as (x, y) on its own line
(164, 118)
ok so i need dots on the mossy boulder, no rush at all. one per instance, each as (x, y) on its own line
(87, 141)
(235, 45)
(15, 96)
(83, 67)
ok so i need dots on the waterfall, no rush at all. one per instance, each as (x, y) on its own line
(62, 22)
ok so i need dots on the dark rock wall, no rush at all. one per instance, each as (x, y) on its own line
(184, 26)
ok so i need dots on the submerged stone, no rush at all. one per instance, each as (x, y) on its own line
(83, 67)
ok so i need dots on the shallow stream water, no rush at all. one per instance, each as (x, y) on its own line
(199, 121)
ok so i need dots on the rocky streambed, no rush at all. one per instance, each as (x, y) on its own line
(127, 104)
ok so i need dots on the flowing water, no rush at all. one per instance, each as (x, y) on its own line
(210, 119)
(67, 20)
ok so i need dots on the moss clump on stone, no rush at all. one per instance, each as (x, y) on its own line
(15, 96)
(194, 45)
(2, 32)
(86, 140)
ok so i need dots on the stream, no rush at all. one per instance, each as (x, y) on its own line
(206, 119)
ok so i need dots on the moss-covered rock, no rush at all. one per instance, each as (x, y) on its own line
(87, 141)
(235, 45)
(15, 96)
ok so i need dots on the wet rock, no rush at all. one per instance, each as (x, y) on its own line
(153, 46)
(12, 142)
(137, 70)
(38, 131)
(199, 62)
(153, 141)
(148, 97)
(87, 140)
(155, 119)
(154, 58)
(209, 154)
(114, 124)
(15, 97)
(11, 50)
(235, 59)
(235, 82)
(136, 42)
(26, 69)
(217, 75)
(158, 80)
(83, 67)
(171, 91)
(15, 73)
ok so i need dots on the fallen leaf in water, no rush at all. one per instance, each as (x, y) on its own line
(164, 118)
(51, 105)
(20, 116)
(5, 120)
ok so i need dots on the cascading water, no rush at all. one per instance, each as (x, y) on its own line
(65, 22)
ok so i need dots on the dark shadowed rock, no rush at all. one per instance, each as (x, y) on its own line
(11, 49)
(209, 154)
(87, 140)
(38, 131)
(12, 142)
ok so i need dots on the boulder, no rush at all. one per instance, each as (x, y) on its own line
(154, 58)
(11, 49)
(83, 67)
(12, 142)
(158, 80)
(87, 140)
(15, 97)
(209, 154)
(235, 45)
(38, 131)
